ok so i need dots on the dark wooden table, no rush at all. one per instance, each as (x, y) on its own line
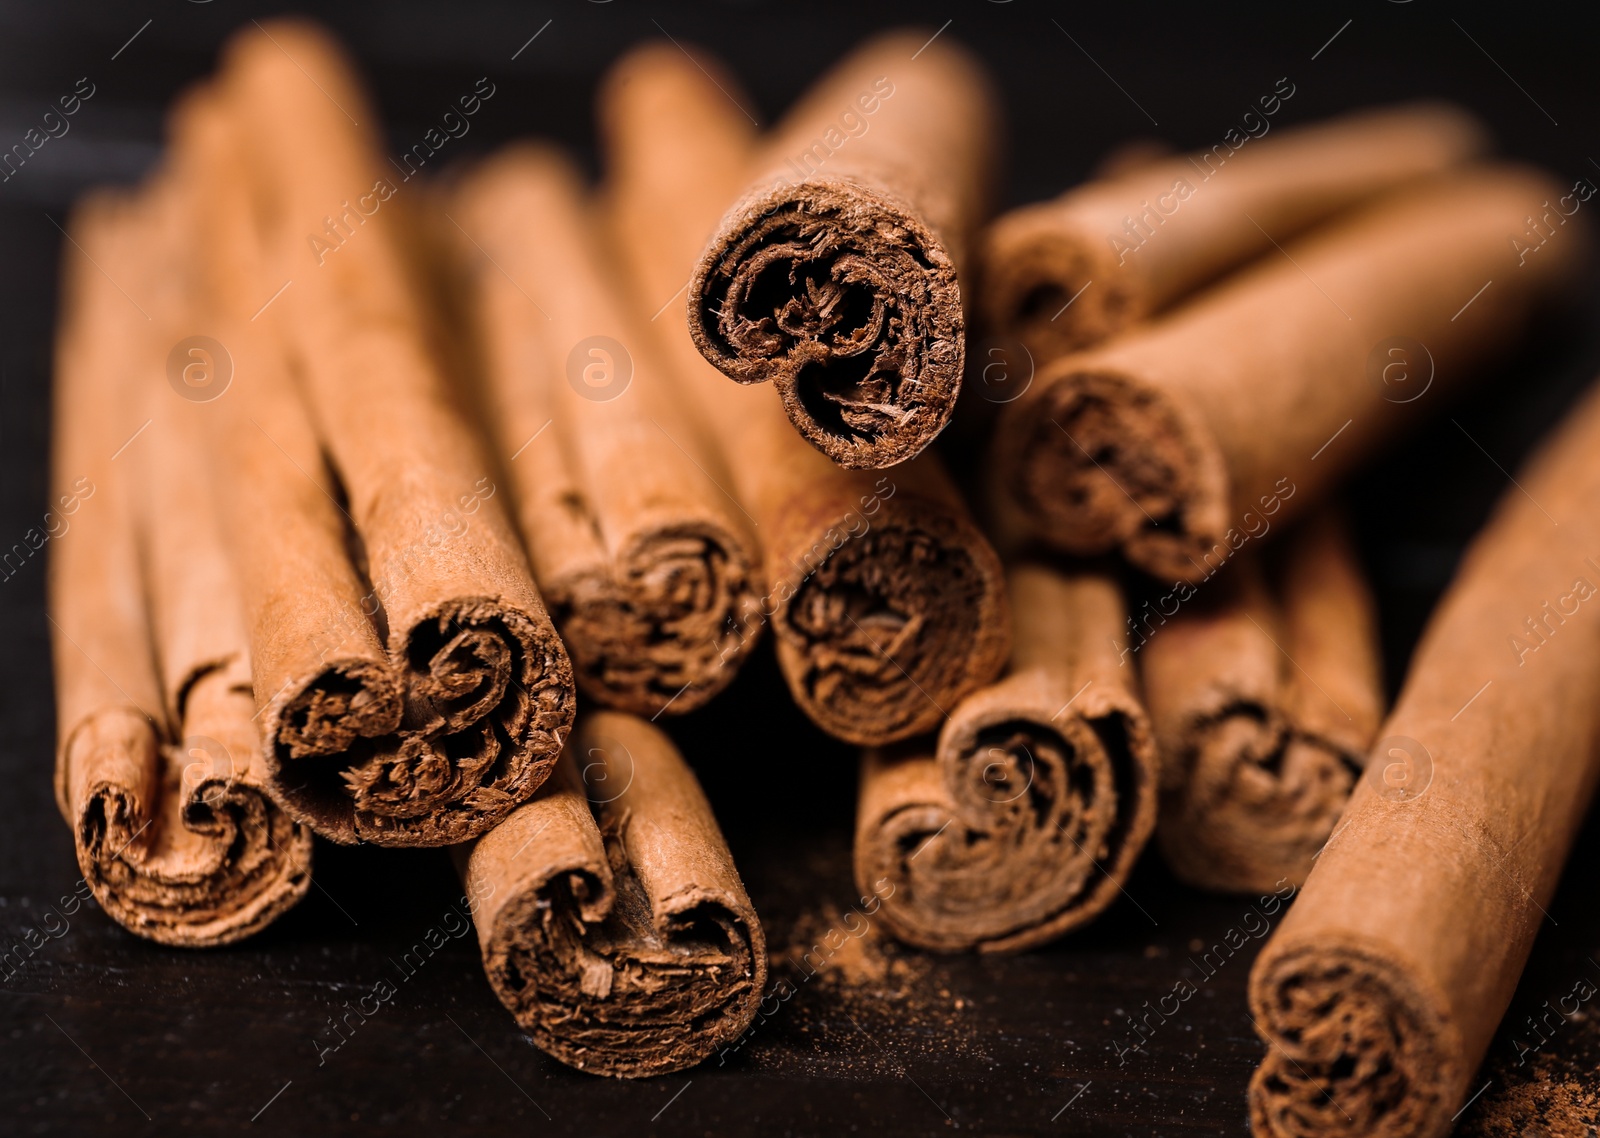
(102, 1031)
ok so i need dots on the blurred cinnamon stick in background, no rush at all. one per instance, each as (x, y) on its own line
(486, 684)
(175, 831)
(1265, 694)
(1028, 816)
(1171, 442)
(835, 275)
(1065, 274)
(1381, 989)
(886, 602)
(611, 919)
(648, 563)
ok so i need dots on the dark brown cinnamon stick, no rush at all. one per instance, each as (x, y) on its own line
(886, 602)
(1065, 274)
(647, 561)
(835, 276)
(612, 921)
(1381, 989)
(1173, 442)
(1265, 695)
(1029, 815)
(176, 834)
(486, 684)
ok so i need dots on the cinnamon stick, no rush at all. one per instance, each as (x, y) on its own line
(175, 832)
(1064, 274)
(646, 559)
(835, 275)
(1381, 989)
(485, 685)
(612, 921)
(1265, 694)
(1028, 816)
(886, 603)
(1174, 442)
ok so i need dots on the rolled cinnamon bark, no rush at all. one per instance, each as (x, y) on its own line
(612, 922)
(1028, 817)
(485, 682)
(1172, 442)
(648, 563)
(886, 602)
(1381, 989)
(835, 275)
(1265, 693)
(1064, 274)
(175, 832)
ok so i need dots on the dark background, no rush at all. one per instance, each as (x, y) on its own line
(102, 1029)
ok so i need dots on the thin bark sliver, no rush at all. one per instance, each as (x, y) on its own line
(1170, 442)
(835, 276)
(486, 682)
(612, 921)
(1380, 991)
(886, 602)
(1032, 809)
(1065, 274)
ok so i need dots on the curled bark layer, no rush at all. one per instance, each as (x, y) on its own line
(1065, 274)
(1042, 791)
(1265, 695)
(1171, 442)
(612, 922)
(1384, 984)
(835, 275)
(887, 602)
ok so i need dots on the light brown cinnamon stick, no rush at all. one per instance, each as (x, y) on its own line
(1381, 989)
(886, 602)
(1172, 442)
(612, 921)
(1029, 815)
(485, 683)
(646, 559)
(175, 831)
(835, 275)
(1065, 274)
(1265, 694)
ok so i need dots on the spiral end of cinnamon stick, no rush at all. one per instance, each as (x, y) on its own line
(200, 856)
(602, 989)
(1098, 462)
(1021, 830)
(612, 921)
(1258, 804)
(664, 631)
(845, 300)
(1352, 1049)
(1055, 289)
(487, 697)
(881, 634)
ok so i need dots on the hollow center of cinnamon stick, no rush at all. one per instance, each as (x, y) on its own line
(885, 625)
(1350, 1059)
(837, 306)
(1102, 463)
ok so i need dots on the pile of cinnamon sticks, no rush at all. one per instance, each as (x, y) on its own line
(407, 513)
